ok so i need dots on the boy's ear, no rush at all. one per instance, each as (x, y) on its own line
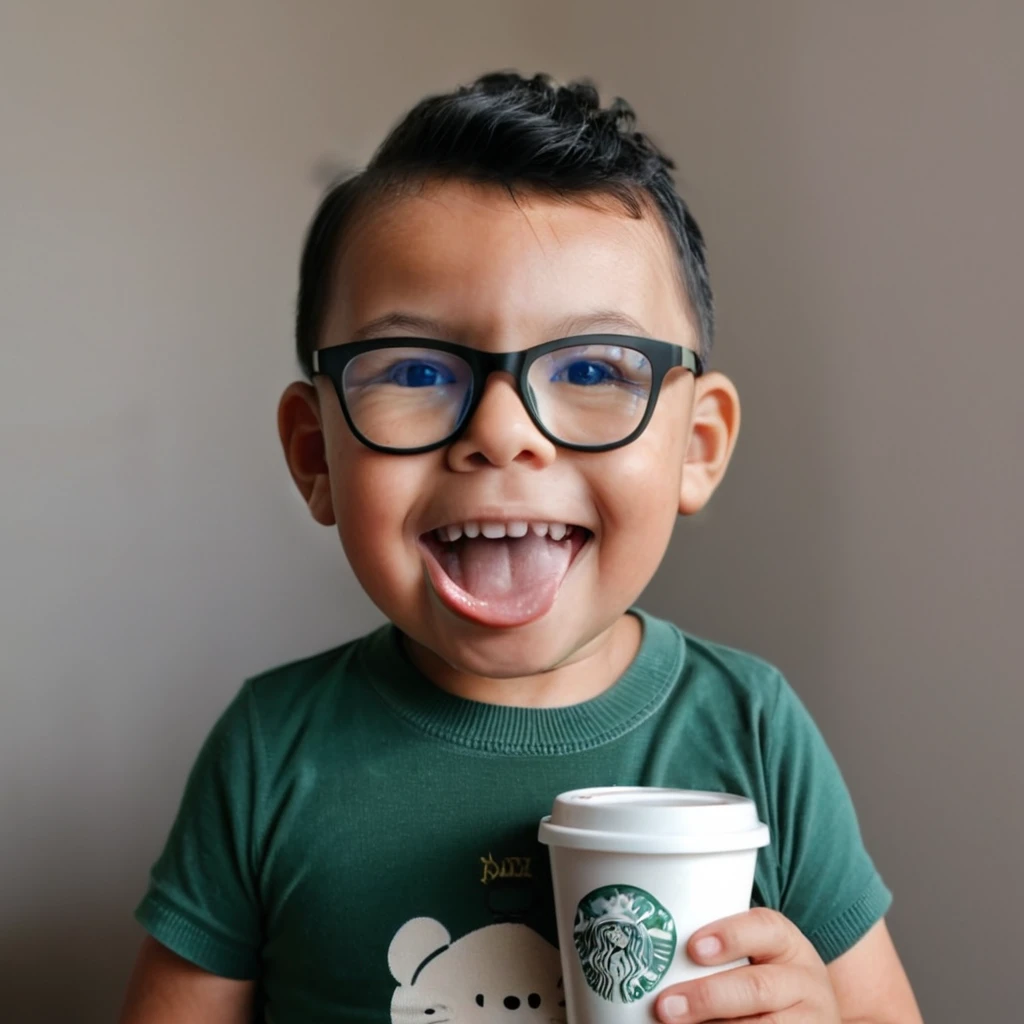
(713, 433)
(302, 437)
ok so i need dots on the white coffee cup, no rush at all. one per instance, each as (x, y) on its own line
(637, 870)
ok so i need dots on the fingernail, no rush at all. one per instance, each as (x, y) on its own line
(708, 946)
(674, 1007)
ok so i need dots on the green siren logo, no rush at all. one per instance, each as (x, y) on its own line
(625, 939)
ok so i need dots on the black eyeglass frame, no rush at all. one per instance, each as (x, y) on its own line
(662, 355)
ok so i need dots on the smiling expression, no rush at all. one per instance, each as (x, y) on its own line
(465, 263)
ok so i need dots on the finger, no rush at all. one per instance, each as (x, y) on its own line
(741, 992)
(763, 935)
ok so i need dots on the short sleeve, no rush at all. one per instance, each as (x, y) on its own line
(202, 902)
(828, 883)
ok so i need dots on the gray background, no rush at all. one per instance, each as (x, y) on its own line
(857, 168)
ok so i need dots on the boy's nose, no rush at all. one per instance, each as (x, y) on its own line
(500, 432)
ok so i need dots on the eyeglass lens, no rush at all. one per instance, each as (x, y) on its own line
(409, 397)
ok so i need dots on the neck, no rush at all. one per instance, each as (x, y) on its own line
(585, 674)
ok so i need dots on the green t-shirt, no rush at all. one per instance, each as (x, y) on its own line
(365, 845)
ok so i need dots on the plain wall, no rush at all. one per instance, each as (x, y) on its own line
(856, 169)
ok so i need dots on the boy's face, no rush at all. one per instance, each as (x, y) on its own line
(500, 276)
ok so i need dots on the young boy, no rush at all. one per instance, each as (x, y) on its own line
(506, 321)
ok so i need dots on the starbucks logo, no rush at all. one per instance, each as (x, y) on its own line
(625, 939)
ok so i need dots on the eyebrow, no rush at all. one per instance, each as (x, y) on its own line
(601, 320)
(597, 320)
(402, 322)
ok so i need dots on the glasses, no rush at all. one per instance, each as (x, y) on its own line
(592, 392)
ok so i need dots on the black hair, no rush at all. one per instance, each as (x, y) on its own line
(511, 131)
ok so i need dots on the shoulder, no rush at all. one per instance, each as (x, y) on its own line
(741, 670)
(727, 676)
(722, 702)
(297, 690)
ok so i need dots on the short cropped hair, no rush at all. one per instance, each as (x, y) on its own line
(530, 134)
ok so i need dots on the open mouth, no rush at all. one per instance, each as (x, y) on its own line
(501, 574)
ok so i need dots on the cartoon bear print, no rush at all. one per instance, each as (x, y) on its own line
(503, 973)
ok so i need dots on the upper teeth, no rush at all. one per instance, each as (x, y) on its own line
(493, 531)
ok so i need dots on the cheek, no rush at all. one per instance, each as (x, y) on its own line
(639, 484)
(375, 497)
(637, 491)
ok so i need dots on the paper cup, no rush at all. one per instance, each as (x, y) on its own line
(636, 872)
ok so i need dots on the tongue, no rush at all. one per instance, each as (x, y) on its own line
(496, 570)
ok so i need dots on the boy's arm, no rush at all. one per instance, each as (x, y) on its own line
(870, 984)
(166, 989)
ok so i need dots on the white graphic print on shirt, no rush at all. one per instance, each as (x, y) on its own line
(480, 977)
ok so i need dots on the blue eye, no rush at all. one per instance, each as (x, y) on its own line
(413, 373)
(585, 373)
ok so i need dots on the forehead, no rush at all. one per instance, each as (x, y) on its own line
(505, 273)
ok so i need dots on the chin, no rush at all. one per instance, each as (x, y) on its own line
(496, 657)
(513, 653)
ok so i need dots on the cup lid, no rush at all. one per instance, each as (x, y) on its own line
(645, 819)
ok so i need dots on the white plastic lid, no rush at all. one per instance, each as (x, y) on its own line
(643, 819)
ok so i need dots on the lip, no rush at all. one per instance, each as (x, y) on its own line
(483, 613)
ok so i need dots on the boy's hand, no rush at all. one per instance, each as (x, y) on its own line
(785, 983)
